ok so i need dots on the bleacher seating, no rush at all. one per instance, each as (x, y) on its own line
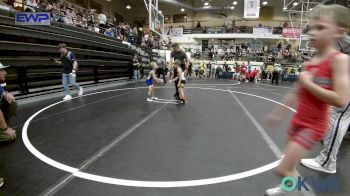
(29, 51)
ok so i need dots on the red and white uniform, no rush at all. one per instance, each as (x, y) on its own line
(310, 123)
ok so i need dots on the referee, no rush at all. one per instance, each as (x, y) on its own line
(177, 54)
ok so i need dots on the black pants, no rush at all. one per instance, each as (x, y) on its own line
(276, 78)
(160, 71)
(102, 28)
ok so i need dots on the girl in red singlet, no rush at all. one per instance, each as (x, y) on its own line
(324, 82)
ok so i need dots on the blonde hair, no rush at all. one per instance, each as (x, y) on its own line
(177, 62)
(153, 64)
(339, 13)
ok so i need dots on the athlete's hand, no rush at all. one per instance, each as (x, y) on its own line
(74, 74)
(10, 132)
(9, 98)
(272, 120)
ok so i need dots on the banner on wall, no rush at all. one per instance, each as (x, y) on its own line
(251, 8)
(177, 32)
(262, 31)
(292, 32)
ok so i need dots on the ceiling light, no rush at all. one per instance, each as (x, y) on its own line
(295, 3)
(259, 7)
(284, 8)
(160, 11)
(310, 9)
(265, 3)
(234, 3)
(128, 7)
(182, 9)
(232, 7)
(206, 3)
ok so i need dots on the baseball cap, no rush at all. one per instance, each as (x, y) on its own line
(3, 66)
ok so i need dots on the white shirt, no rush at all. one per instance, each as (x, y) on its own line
(102, 18)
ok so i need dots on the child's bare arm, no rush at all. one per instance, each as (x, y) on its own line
(339, 96)
(155, 77)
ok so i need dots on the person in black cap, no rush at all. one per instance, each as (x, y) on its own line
(8, 108)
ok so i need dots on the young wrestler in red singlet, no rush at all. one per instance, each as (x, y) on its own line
(323, 82)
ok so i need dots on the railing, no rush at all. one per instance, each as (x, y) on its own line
(215, 30)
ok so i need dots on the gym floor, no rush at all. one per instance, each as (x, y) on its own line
(112, 142)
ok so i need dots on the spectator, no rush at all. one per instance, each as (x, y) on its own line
(30, 6)
(8, 108)
(91, 20)
(136, 68)
(109, 32)
(199, 25)
(102, 21)
(70, 66)
(134, 31)
(225, 67)
(161, 69)
(275, 75)
(127, 31)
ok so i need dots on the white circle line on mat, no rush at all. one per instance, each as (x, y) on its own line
(136, 183)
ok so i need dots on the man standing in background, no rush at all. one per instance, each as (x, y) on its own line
(136, 68)
(70, 67)
(161, 69)
(177, 54)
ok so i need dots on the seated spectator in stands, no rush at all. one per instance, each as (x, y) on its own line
(109, 32)
(17, 4)
(47, 7)
(225, 67)
(102, 21)
(134, 31)
(69, 17)
(286, 54)
(244, 75)
(41, 5)
(252, 76)
(243, 66)
(4, 6)
(127, 31)
(8, 108)
(83, 20)
(237, 71)
(30, 6)
(198, 25)
(91, 20)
